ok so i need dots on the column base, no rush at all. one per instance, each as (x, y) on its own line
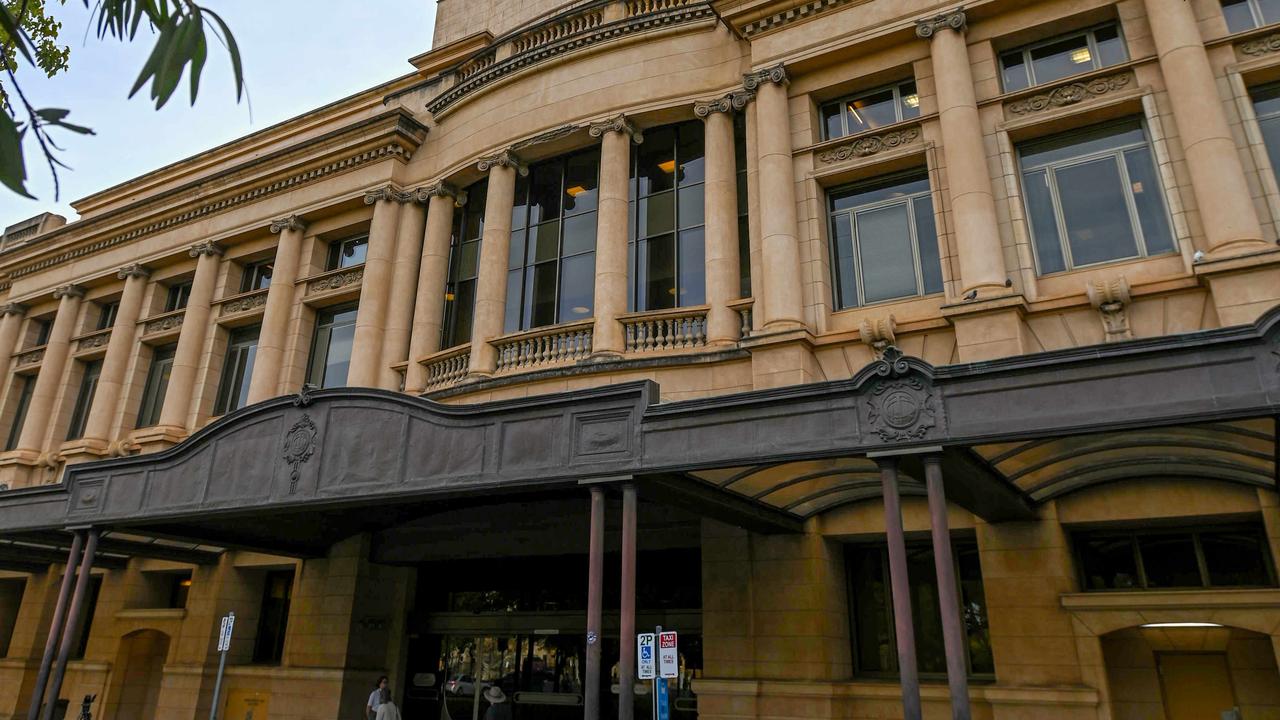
(158, 437)
(84, 450)
(990, 329)
(26, 468)
(604, 356)
(1243, 287)
(779, 359)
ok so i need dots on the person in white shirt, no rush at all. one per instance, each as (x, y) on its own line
(376, 698)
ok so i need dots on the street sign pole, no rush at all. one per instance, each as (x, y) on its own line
(658, 713)
(224, 644)
(658, 658)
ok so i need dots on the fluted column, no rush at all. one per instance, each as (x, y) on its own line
(1217, 176)
(366, 351)
(433, 276)
(45, 392)
(616, 136)
(115, 365)
(404, 280)
(723, 270)
(195, 326)
(272, 337)
(782, 306)
(495, 249)
(973, 207)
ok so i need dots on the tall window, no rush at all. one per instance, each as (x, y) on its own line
(84, 399)
(176, 298)
(884, 242)
(237, 370)
(744, 225)
(331, 349)
(1151, 559)
(107, 315)
(348, 252)
(1244, 15)
(41, 327)
(870, 110)
(256, 276)
(875, 648)
(273, 621)
(551, 271)
(1266, 103)
(1063, 56)
(668, 238)
(464, 265)
(1094, 197)
(26, 384)
(153, 391)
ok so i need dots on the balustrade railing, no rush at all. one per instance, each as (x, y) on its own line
(544, 346)
(743, 307)
(552, 32)
(448, 367)
(645, 7)
(666, 329)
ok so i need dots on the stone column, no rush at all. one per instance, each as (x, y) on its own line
(1217, 176)
(723, 269)
(115, 365)
(433, 277)
(404, 279)
(195, 326)
(612, 233)
(45, 392)
(11, 315)
(782, 307)
(275, 317)
(366, 351)
(900, 590)
(973, 207)
(495, 249)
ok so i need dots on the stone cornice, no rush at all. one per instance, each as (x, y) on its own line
(735, 101)
(441, 188)
(290, 222)
(134, 270)
(505, 158)
(802, 11)
(954, 19)
(208, 247)
(776, 74)
(619, 123)
(71, 291)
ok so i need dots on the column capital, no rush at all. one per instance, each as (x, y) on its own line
(735, 101)
(441, 188)
(289, 222)
(619, 124)
(388, 193)
(776, 74)
(13, 308)
(504, 158)
(954, 19)
(208, 247)
(133, 270)
(75, 291)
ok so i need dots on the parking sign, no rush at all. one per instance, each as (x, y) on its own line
(668, 655)
(646, 663)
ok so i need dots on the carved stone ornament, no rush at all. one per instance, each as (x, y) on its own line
(899, 406)
(870, 145)
(292, 222)
(1261, 46)
(169, 322)
(31, 357)
(207, 247)
(735, 101)
(135, 270)
(506, 158)
(776, 74)
(548, 136)
(955, 20)
(1069, 94)
(387, 193)
(336, 281)
(96, 340)
(303, 398)
(879, 333)
(618, 124)
(244, 304)
(13, 309)
(442, 189)
(299, 446)
(1111, 297)
(73, 291)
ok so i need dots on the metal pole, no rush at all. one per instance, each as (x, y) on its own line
(217, 685)
(627, 608)
(75, 617)
(948, 593)
(901, 590)
(595, 582)
(653, 692)
(55, 626)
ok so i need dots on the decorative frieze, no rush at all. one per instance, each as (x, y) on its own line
(790, 15)
(870, 145)
(1261, 46)
(548, 136)
(131, 271)
(619, 124)
(1069, 94)
(292, 222)
(336, 281)
(172, 321)
(735, 101)
(954, 19)
(96, 340)
(1110, 298)
(74, 291)
(244, 303)
(208, 247)
(31, 357)
(776, 74)
(505, 158)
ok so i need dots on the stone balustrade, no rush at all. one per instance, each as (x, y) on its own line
(544, 346)
(743, 308)
(676, 329)
(447, 367)
(557, 30)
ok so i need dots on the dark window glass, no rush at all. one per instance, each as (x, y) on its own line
(1162, 559)
(1108, 563)
(107, 315)
(84, 399)
(1266, 104)
(875, 649)
(42, 329)
(273, 620)
(464, 257)
(331, 348)
(1244, 15)
(237, 370)
(1169, 561)
(348, 252)
(91, 609)
(157, 385)
(179, 589)
(666, 258)
(744, 226)
(11, 592)
(25, 384)
(870, 110)
(1062, 57)
(177, 296)
(1235, 558)
(256, 276)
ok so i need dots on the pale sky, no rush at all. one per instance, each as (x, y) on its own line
(298, 55)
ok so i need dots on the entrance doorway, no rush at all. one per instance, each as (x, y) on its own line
(139, 671)
(1196, 686)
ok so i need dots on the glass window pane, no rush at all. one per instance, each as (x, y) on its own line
(1094, 212)
(1111, 49)
(543, 309)
(973, 608)
(657, 214)
(832, 124)
(873, 636)
(1170, 561)
(1235, 558)
(884, 248)
(909, 101)
(1238, 15)
(520, 206)
(1072, 145)
(1270, 10)
(690, 153)
(515, 252)
(1266, 100)
(659, 257)
(872, 193)
(744, 257)
(927, 242)
(462, 308)
(693, 286)
(656, 161)
(926, 616)
(690, 205)
(468, 259)
(545, 242)
(1108, 563)
(1271, 138)
(473, 212)
(350, 253)
(544, 192)
(1149, 201)
(845, 272)
(1014, 71)
(511, 315)
(871, 111)
(1044, 223)
(577, 287)
(1061, 59)
(579, 234)
(581, 182)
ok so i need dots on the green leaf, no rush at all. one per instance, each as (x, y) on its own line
(154, 61)
(198, 56)
(13, 170)
(175, 60)
(9, 24)
(52, 115)
(234, 50)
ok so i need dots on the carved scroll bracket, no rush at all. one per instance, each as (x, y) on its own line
(1111, 298)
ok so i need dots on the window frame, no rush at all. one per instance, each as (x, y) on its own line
(107, 315)
(83, 406)
(336, 251)
(177, 296)
(1255, 12)
(313, 359)
(156, 385)
(28, 384)
(1135, 220)
(898, 104)
(253, 274)
(43, 329)
(242, 351)
(459, 236)
(1134, 534)
(1090, 39)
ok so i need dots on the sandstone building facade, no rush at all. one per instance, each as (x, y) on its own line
(907, 359)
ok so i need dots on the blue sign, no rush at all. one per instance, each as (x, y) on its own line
(660, 699)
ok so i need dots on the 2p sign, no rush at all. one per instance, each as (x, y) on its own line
(668, 655)
(646, 656)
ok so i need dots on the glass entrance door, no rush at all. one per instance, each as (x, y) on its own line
(540, 675)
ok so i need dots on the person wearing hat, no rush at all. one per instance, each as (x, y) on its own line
(499, 708)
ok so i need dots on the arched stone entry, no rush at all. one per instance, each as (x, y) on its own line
(1185, 672)
(138, 671)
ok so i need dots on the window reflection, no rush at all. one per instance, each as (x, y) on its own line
(667, 255)
(870, 110)
(1062, 57)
